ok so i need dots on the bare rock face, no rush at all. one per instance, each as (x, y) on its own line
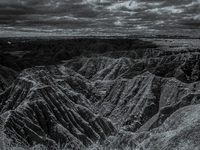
(88, 67)
(7, 76)
(179, 131)
(121, 96)
(140, 101)
(51, 105)
(9, 61)
(182, 66)
(132, 102)
(131, 95)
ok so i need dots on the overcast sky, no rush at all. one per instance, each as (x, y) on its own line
(99, 17)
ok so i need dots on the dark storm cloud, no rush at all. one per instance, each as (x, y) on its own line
(105, 16)
(195, 24)
(167, 2)
(40, 13)
(191, 23)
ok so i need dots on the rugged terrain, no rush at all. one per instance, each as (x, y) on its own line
(113, 94)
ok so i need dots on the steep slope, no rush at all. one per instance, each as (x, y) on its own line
(7, 76)
(132, 102)
(88, 67)
(137, 100)
(130, 95)
(183, 66)
(117, 93)
(100, 68)
(9, 61)
(179, 131)
(50, 105)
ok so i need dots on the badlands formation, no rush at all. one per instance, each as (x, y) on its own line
(98, 94)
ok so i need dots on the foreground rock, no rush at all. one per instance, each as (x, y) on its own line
(49, 106)
(179, 131)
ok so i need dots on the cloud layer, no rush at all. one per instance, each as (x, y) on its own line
(100, 17)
